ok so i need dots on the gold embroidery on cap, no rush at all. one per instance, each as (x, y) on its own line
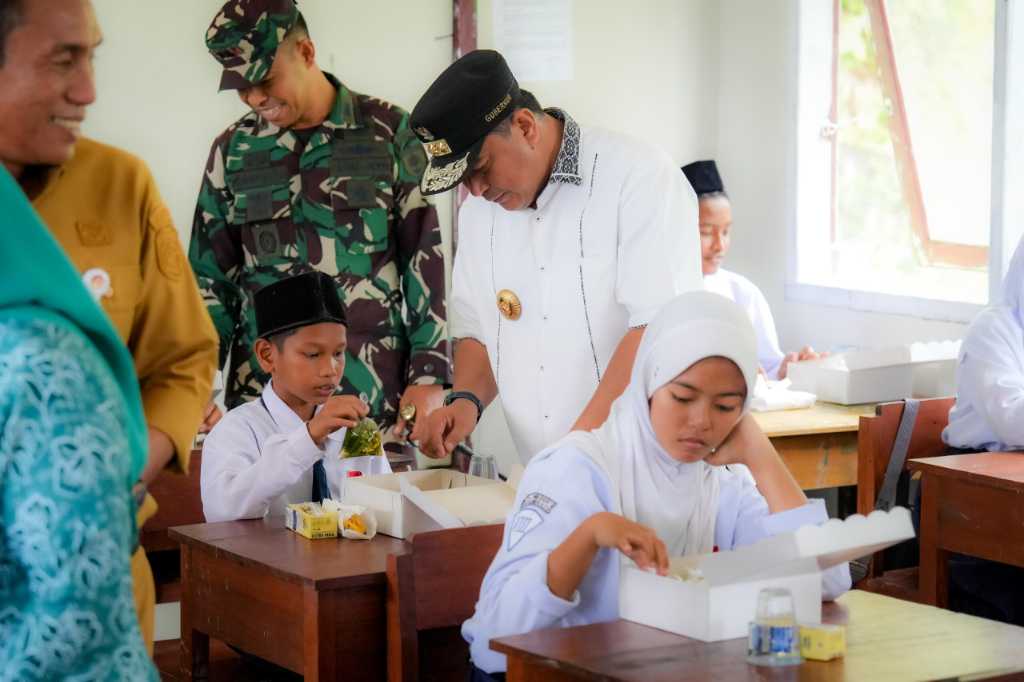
(498, 109)
(445, 177)
(438, 148)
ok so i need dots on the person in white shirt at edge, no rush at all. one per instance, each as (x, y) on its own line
(284, 447)
(715, 237)
(568, 245)
(653, 482)
(989, 409)
(989, 415)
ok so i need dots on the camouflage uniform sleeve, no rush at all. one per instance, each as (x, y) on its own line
(421, 263)
(172, 340)
(213, 254)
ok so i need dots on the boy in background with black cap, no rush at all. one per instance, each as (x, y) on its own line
(285, 446)
(715, 238)
(570, 243)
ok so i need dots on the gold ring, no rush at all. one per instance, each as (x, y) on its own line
(408, 413)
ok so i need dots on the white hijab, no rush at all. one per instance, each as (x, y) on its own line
(678, 501)
(1013, 284)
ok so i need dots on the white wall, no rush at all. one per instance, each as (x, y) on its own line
(157, 84)
(640, 68)
(755, 146)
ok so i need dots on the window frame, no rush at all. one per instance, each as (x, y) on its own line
(812, 94)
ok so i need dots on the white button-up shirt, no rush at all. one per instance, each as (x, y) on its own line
(745, 293)
(612, 239)
(259, 459)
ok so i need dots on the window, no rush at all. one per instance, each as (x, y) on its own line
(899, 154)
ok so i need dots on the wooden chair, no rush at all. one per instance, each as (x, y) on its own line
(875, 438)
(181, 503)
(432, 589)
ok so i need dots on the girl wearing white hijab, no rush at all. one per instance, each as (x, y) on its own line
(989, 410)
(649, 484)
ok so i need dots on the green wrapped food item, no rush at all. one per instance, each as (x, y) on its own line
(361, 440)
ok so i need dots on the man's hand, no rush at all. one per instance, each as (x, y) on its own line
(426, 399)
(340, 411)
(211, 416)
(806, 353)
(637, 542)
(745, 441)
(446, 427)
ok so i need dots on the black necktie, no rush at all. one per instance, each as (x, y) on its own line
(321, 491)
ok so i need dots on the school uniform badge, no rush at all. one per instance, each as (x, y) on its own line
(522, 523)
(529, 517)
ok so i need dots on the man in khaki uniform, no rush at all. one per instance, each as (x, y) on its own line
(103, 206)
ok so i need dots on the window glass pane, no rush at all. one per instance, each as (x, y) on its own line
(944, 59)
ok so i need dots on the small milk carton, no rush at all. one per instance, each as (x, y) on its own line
(712, 597)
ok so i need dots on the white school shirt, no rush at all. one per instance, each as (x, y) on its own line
(259, 459)
(515, 598)
(600, 254)
(745, 293)
(989, 409)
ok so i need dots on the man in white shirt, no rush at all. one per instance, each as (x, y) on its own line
(285, 447)
(568, 246)
(715, 238)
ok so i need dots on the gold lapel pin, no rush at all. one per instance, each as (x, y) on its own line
(509, 304)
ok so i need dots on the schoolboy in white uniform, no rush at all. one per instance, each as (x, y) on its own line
(715, 235)
(284, 447)
(649, 484)
(566, 249)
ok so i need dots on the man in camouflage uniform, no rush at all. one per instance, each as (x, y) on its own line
(318, 177)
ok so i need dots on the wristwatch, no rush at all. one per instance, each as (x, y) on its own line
(465, 395)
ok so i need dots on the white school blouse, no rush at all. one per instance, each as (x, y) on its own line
(259, 459)
(745, 293)
(612, 239)
(989, 409)
(515, 598)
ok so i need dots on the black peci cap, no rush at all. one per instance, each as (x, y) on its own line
(466, 102)
(299, 301)
(704, 177)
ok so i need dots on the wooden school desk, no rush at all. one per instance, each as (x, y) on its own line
(819, 443)
(312, 606)
(887, 639)
(971, 504)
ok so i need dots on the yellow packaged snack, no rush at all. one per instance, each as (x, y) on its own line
(822, 642)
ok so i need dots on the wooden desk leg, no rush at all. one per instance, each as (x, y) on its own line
(319, 660)
(194, 656)
(933, 580)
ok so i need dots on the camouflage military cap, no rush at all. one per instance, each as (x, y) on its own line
(244, 37)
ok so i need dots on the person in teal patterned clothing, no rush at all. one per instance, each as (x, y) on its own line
(69, 412)
(319, 178)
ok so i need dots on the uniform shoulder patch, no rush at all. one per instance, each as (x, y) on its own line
(169, 257)
(525, 521)
(414, 159)
(539, 501)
